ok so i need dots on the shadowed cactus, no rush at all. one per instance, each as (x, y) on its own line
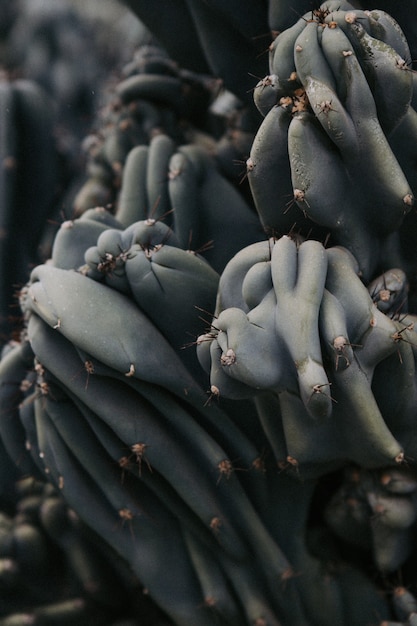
(220, 384)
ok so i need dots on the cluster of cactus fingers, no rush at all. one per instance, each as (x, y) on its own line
(153, 471)
(120, 422)
(153, 96)
(331, 373)
(120, 419)
(337, 104)
(53, 569)
(223, 385)
(376, 511)
(372, 515)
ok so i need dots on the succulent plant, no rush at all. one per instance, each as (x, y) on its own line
(216, 382)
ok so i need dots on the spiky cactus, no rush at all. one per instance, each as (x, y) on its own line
(223, 385)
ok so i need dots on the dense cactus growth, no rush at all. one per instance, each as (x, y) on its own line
(54, 569)
(29, 185)
(207, 408)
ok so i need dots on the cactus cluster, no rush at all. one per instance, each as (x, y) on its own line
(44, 41)
(327, 104)
(53, 569)
(216, 382)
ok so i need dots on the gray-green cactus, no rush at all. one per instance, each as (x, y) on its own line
(221, 384)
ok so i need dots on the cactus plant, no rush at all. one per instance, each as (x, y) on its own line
(221, 384)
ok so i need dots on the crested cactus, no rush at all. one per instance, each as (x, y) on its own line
(329, 102)
(214, 389)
